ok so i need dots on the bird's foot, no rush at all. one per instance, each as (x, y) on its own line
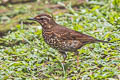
(45, 63)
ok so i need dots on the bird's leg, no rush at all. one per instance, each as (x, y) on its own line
(76, 53)
(64, 56)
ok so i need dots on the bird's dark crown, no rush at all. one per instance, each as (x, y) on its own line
(43, 17)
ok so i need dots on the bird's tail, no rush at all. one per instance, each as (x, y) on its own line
(102, 41)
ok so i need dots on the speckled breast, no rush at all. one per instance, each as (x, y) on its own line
(62, 45)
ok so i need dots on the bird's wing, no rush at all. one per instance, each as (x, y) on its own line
(82, 37)
(68, 34)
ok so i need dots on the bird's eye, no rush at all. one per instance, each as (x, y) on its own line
(41, 18)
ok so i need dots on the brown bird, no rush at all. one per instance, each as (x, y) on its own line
(61, 38)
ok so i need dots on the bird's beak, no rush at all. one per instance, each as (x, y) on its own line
(31, 19)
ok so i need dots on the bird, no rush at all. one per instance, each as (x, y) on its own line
(62, 38)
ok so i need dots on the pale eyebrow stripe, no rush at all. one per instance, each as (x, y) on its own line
(45, 17)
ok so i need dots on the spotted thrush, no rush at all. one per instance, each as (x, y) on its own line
(61, 38)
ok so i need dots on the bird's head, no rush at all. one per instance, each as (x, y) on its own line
(44, 19)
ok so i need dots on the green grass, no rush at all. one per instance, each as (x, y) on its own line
(25, 56)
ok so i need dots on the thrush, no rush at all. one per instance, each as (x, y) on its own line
(61, 38)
